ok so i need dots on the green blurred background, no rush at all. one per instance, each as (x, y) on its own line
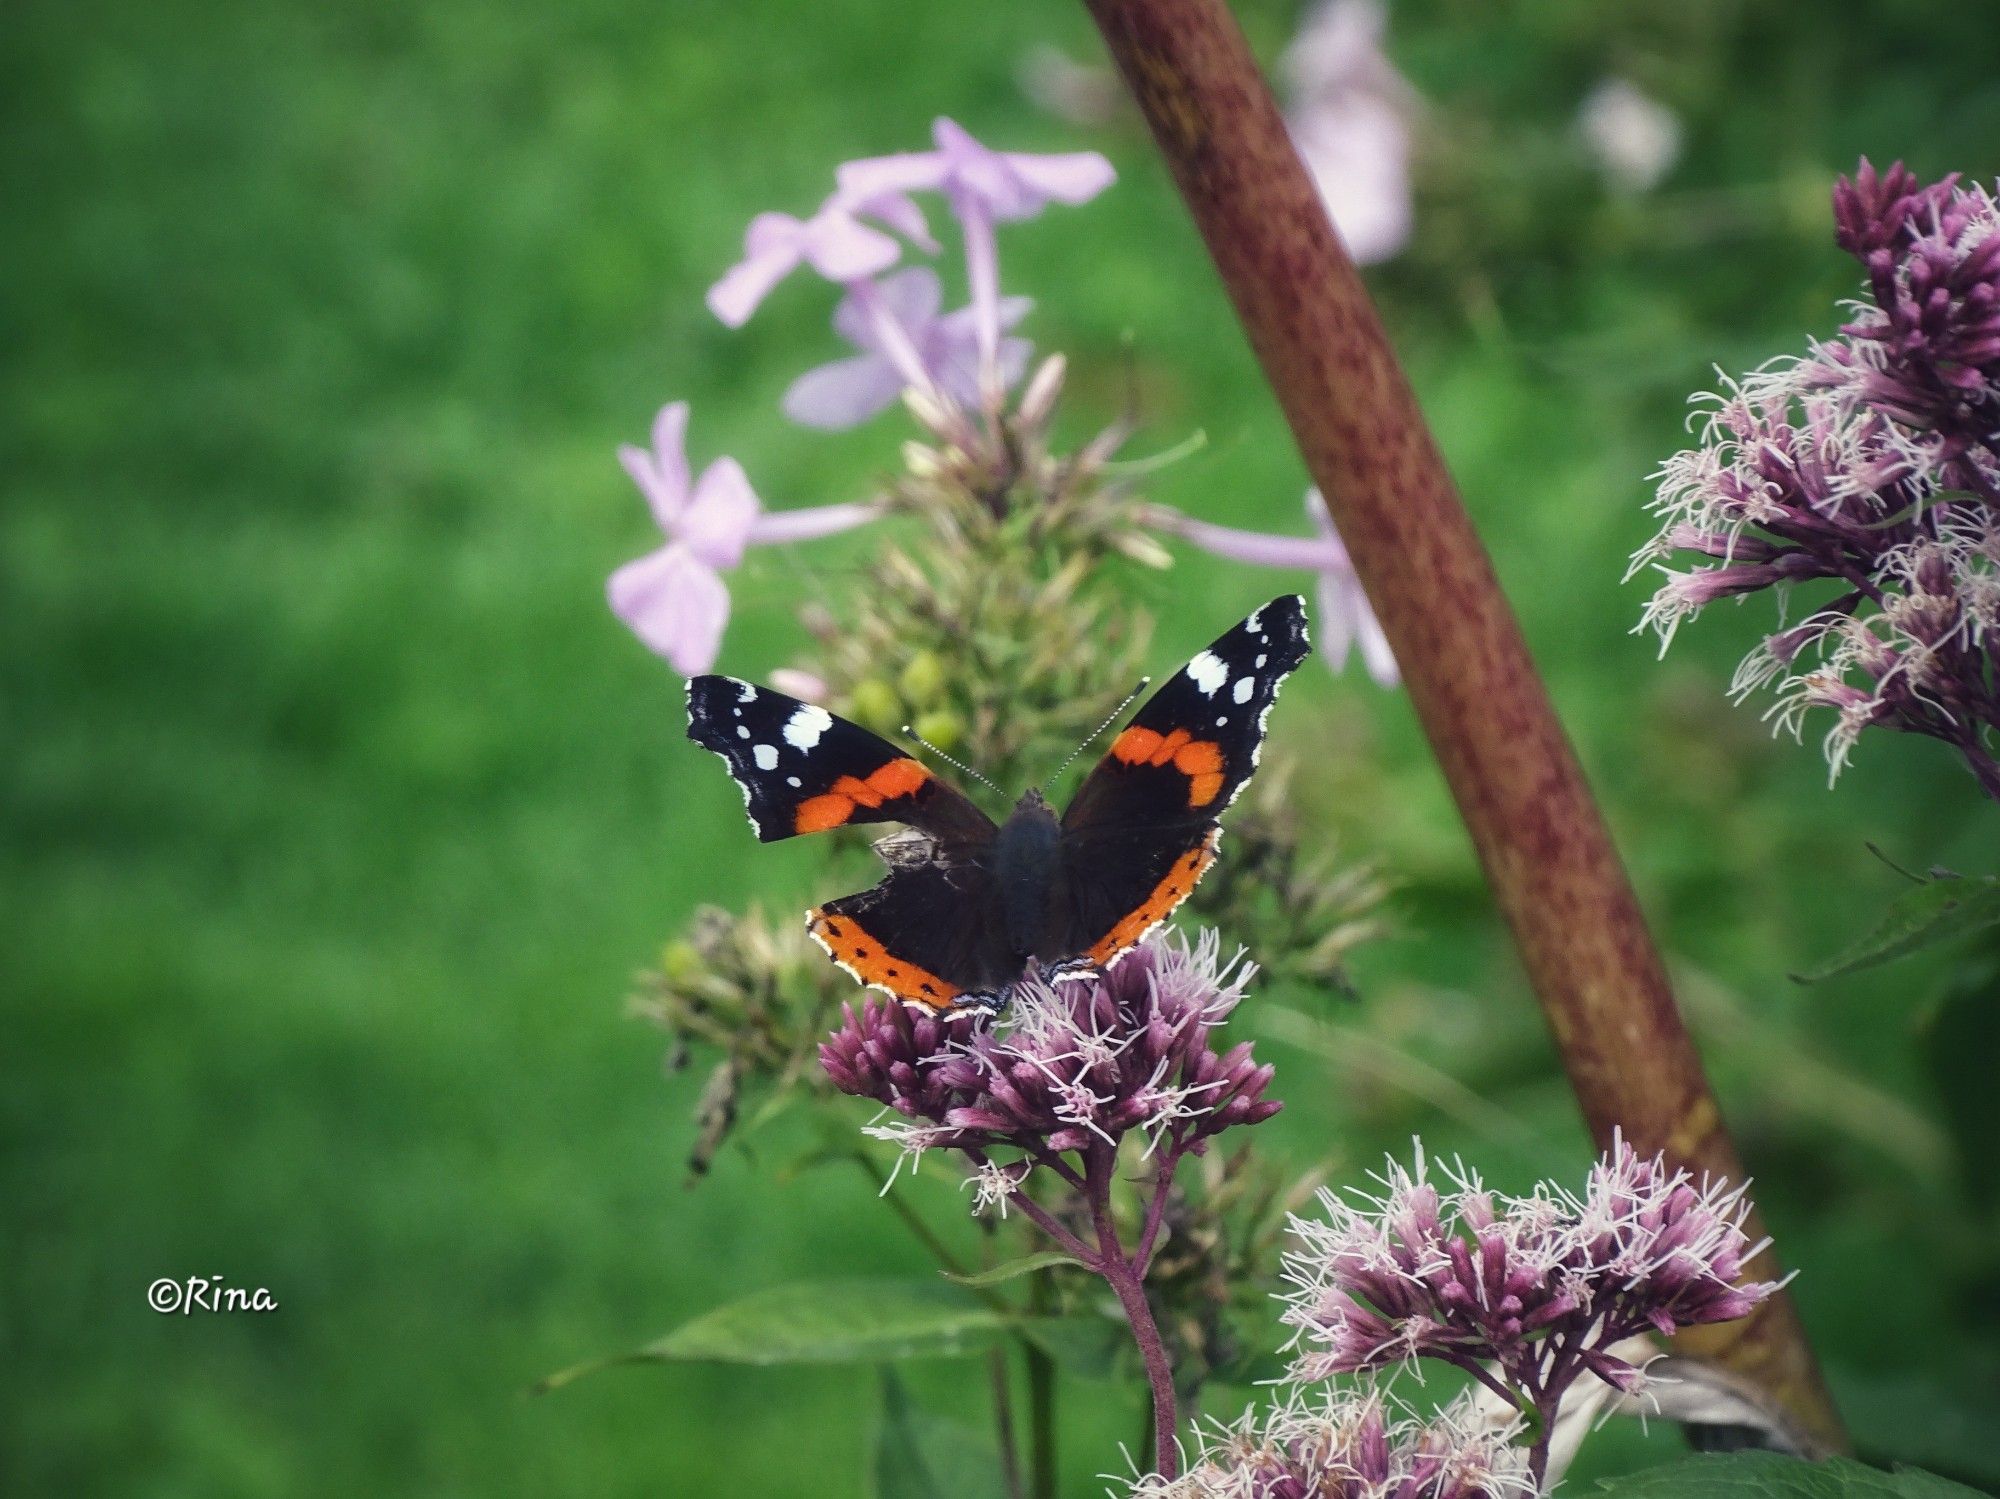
(338, 810)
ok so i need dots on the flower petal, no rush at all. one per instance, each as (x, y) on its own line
(843, 394)
(716, 524)
(775, 527)
(1309, 552)
(842, 248)
(912, 297)
(876, 177)
(675, 603)
(1338, 621)
(898, 212)
(771, 251)
(1069, 177)
(662, 474)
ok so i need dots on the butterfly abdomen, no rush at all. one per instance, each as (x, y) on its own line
(1023, 863)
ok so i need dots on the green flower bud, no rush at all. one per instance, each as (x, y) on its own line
(923, 680)
(681, 962)
(941, 727)
(874, 705)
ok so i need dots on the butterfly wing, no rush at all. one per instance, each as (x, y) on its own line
(1141, 830)
(930, 934)
(805, 770)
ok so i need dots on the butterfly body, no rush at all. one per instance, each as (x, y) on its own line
(969, 906)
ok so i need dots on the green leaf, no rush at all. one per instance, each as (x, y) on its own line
(1767, 1475)
(1023, 1266)
(1937, 911)
(919, 1455)
(822, 1322)
(1961, 1047)
(1085, 1344)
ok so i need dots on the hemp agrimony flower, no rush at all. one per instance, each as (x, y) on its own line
(1342, 1444)
(1870, 466)
(1526, 1294)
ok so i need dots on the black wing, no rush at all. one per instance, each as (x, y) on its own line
(804, 770)
(1141, 830)
(931, 934)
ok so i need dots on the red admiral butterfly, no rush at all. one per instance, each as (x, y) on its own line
(967, 905)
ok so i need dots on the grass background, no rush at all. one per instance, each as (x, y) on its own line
(338, 810)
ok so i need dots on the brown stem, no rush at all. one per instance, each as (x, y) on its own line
(1122, 1275)
(1547, 854)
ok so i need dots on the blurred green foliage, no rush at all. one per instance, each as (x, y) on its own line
(338, 810)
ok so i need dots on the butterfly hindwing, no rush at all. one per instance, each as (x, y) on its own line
(805, 770)
(1141, 830)
(930, 934)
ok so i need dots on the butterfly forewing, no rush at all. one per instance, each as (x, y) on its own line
(1141, 830)
(805, 770)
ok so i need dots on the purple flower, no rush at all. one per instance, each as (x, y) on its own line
(1346, 619)
(1349, 1445)
(833, 242)
(1001, 186)
(1871, 466)
(984, 188)
(674, 598)
(1072, 1067)
(1350, 114)
(945, 349)
(1541, 1288)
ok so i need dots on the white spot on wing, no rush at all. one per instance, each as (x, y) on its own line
(805, 727)
(745, 693)
(1261, 660)
(742, 732)
(1244, 687)
(793, 781)
(766, 756)
(1208, 672)
(1255, 615)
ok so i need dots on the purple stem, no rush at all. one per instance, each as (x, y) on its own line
(1122, 1275)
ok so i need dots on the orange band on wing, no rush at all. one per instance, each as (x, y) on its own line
(866, 960)
(1157, 907)
(1200, 760)
(838, 803)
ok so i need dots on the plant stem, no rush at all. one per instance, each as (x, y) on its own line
(1003, 1421)
(1547, 853)
(1121, 1273)
(1041, 1404)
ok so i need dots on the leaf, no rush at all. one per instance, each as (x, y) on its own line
(1085, 1344)
(1961, 1048)
(821, 1322)
(923, 1456)
(1767, 1475)
(1007, 1271)
(1944, 908)
(1941, 1417)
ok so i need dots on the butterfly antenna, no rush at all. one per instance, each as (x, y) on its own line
(910, 733)
(1109, 719)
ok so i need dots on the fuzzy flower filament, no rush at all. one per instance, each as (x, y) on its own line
(1870, 468)
(1525, 1294)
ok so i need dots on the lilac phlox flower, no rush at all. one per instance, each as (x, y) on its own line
(1540, 1286)
(834, 242)
(1339, 1444)
(1072, 1067)
(984, 188)
(1350, 111)
(848, 392)
(674, 598)
(1346, 619)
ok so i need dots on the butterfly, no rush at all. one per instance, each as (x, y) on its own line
(968, 905)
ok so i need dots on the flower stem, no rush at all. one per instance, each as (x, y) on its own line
(1548, 856)
(1041, 1407)
(1121, 1273)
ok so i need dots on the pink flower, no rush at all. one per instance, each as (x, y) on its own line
(984, 188)
(1001, 185)
(1350, 114)
(833, 242)
(1346, 619)
(674, 598)
(847, 392)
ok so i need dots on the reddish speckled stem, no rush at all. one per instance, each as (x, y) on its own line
(1546, 851)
